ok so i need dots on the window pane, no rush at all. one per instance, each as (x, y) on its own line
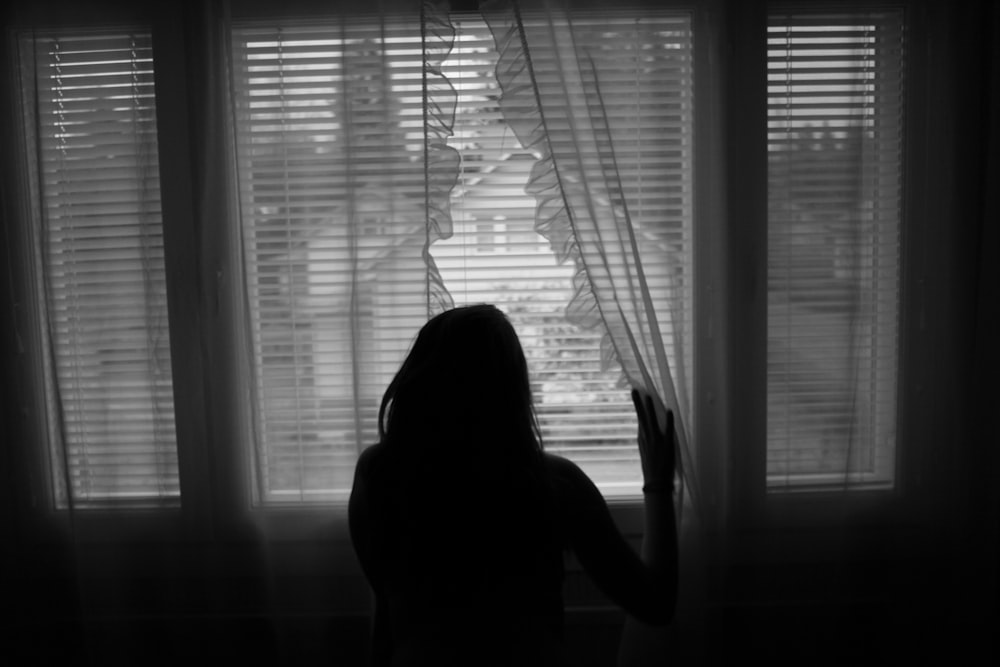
(834, 176)
(103, 281)
(330, 140)
(331, 175)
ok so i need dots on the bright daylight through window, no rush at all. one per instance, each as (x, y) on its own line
(331, 149)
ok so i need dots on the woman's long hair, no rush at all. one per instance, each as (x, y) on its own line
(463, 464)
(463, 390)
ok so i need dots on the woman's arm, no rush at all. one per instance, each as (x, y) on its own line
(657, 451)
(645, 585)
(641, 644)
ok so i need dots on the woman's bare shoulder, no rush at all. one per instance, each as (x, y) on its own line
(568, 480)
(368, 458)
(561, 467)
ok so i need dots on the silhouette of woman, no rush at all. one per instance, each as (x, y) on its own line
(460, 520)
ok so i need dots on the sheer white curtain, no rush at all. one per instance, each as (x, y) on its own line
(608, 197)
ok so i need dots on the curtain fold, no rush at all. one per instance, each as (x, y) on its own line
(441, 161)
(554, 101)
(599, 192)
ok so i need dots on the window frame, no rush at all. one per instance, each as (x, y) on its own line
(289, 523)
(789, 525)
(245, 32)
(729, 316)
(730, 398)
(33, 492)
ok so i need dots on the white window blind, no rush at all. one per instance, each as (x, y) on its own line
(644, 65)
(834, 182)
(93, 121)
(330, 141)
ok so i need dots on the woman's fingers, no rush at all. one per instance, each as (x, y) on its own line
(653, 422)
(637, 402)
(643, 435)
(656, 445)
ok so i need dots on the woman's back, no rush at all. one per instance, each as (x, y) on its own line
(461, 562)
(460, 521)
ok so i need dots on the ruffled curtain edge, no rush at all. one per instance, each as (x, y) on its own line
(441, 161)
(523, 111)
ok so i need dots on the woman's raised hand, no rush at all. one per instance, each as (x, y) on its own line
(656, 445)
